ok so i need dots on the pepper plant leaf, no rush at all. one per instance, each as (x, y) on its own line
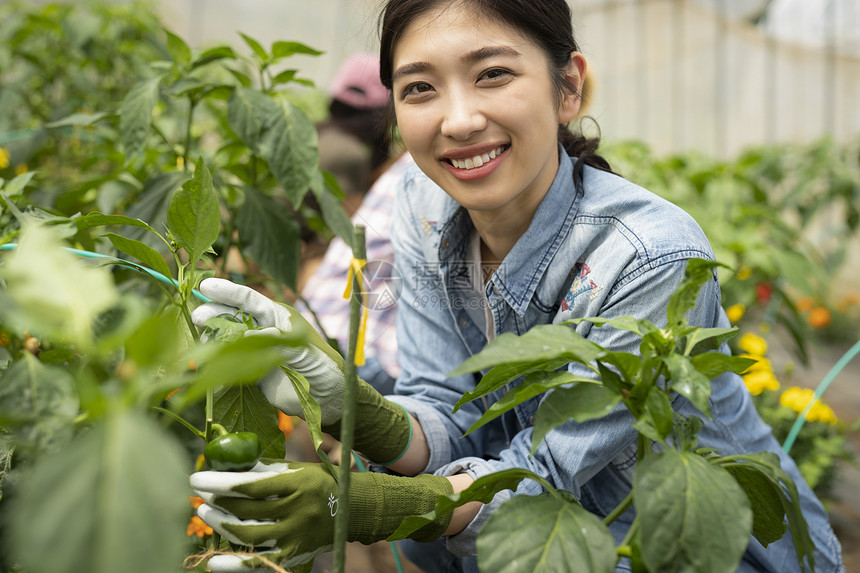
(245, 409)
(712, 364)
(312, 414)
(194, 216)
(546, 533)
(626, 322)
(704, 339)
(135, 115)
(533, 385)
(540, 346)
(697, 272)
(686, 504)
(582, 402)
(689, 382)
(781, 485)
(104, 502)
(141, 251)
(39, 403)
(270, 235)
(327, 191)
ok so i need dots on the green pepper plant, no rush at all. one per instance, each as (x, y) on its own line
(673, 477)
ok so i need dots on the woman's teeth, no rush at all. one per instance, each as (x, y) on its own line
(478, 160)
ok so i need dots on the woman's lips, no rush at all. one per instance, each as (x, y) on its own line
(476, 166)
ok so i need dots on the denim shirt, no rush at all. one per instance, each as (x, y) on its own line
(613, 250)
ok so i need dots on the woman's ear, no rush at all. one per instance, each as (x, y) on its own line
(571, 102)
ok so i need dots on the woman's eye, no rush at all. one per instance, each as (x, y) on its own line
(416, 89)
(495, 74)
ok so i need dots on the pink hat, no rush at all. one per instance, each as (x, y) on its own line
(357, 82)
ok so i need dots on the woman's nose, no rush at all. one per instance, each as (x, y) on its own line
(463, 117)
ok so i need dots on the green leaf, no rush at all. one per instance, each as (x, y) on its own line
(698, 271)
(281, 49)
(213, 55)
(141, 251)
(689, 382)
(705, 339)
(327, 194)
(103, 503)
(694, 516)
(245, 409)
(43, 402)
(626, 322)
(17, 184)
(78, 120)
(135, 115)
(533, 385)
(545, 533)
(241, 361)
(255, 46)
(289, 146)
(765, 501)
(179, 51)
(582, 402)
(687, 431)
(656, 421)
(193, 216)
(50, 292)
(270, 236)
(545, 343)
(280, 133)
(504, 374)
(155, 342)
(311, 414)
(482, 489)
(96, 219)
(768, 465)
(712, 364)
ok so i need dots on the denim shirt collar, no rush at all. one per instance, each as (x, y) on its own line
(518, 276)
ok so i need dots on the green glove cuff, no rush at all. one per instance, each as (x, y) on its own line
(379, 502)
(383, 429)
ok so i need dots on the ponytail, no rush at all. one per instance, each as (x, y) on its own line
(584, 149)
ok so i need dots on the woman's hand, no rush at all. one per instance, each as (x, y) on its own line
(320, 364)
(291, 506)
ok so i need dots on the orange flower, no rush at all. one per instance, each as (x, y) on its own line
(198, 527)
(805, 304)
(819, 317)
(195, 501)
(285, 424)
(848, 301)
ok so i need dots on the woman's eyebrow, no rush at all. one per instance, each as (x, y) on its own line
(469, 58)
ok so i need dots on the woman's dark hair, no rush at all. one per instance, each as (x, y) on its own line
(547, 23)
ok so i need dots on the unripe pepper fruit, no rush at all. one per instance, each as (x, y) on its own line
(236, 452)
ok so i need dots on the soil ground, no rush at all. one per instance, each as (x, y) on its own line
(843, 395)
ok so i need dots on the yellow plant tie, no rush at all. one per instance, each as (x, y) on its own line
(355, 272)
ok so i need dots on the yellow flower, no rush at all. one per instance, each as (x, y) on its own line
(198, 527)
(753, 344)
(822, 413)
(744, 273)
(736, 312)
(195, 501)
(20, 169)
(759, 381)
(4, 158)
(799, 398)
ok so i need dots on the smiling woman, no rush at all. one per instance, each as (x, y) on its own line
(482, 92)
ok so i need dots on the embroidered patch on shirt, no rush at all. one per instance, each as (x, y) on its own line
(427, 226)
(582, 284)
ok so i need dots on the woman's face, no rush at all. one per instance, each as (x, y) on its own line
(477, 109)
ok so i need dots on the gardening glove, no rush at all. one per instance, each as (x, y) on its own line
(383, 429)
(292, 506)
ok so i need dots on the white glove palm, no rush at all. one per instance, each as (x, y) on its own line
(317, 361)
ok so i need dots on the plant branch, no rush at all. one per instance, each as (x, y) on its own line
(179, 419)
(619, 509)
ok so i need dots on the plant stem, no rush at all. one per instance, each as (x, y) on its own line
(347, 421)
(179, 419)
(619, 509)
(187, 151)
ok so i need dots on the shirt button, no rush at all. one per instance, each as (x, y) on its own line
(531, 420)
(446, 244)
(463, 322)
(496, 290)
